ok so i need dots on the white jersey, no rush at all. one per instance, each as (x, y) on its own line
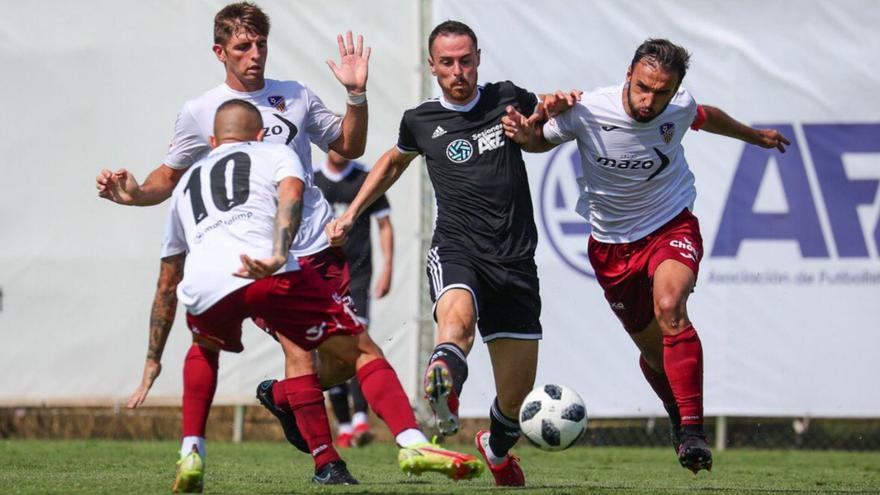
(292, 115)
(635, 177)
(225, 206)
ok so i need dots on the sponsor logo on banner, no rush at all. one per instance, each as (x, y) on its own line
(460, 150)
(565, 230)
(667, 130)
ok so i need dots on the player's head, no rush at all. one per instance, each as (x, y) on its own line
(653, 77)
(453, 56)
(240, 42)
(237, 121)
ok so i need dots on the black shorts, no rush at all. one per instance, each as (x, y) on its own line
(506, 294)
(360, 296)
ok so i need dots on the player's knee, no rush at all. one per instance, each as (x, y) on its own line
(669, 311)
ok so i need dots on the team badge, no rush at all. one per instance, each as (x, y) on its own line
(460, 150)
(277, 102)
(666, 131)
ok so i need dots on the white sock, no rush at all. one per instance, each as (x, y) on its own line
(359, 418)
(186, 446)
(345, 428)
(410, 437)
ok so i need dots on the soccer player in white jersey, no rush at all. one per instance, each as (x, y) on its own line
(637, 193)
(236, 240)
(293, 115)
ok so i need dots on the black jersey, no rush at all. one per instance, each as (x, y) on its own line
(484, 206)
(340, 190)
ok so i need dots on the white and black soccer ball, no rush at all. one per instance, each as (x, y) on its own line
(553, 417)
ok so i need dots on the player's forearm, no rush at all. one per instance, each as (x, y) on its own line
(157, 187)
(718, 122)
(288, 217)
(164, 305)
(386, 243)
(381, 177)
(352, 142)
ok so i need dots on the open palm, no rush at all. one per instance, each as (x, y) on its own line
(354, 62)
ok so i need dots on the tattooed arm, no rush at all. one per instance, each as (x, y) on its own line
(287, 221)
(161, 319)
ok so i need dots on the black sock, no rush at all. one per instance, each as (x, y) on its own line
(674, 415)
(455, 359)
(357, 397)
(339, 401)
(694, 430)
(503, 431)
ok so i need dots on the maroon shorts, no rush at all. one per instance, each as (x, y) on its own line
(299, 305)
(626, 271)
(333, 266)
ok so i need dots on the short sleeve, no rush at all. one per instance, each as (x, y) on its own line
(173, 237)
(288, 165)
(406, 141)
(559, 129)
(699, 119)
(526, 101)
(322, 125)
(188, 145)
(380, 208)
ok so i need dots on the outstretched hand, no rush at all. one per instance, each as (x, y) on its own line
(354, 62)
(559, 102)
(771, 138)
(257, 269)
(517, 127)
(152, 368)
(119, 187)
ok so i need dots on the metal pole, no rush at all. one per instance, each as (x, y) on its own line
(238, 424)
(721, 433)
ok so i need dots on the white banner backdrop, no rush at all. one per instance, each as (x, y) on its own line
(787, 300)
(99, 84)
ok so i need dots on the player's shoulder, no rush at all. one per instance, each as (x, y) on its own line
(426, 105)
(683, 98)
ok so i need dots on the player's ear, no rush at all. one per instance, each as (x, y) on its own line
(213, 141)
(431, 65)
(629, 73)
(478, 57)
(219, 53)
(261, 134)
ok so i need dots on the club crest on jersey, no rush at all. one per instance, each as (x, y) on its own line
(666, 131)
(460, 150)
(277, 102)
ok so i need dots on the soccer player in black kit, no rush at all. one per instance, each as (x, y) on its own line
(481, 266)
(340, 179)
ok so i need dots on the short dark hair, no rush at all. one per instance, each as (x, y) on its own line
(665, 54)
(240, 16)
(451, 27)
(242, 105)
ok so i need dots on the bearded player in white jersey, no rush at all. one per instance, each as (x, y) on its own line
(637, 192)
(294, 116)
(232, 219)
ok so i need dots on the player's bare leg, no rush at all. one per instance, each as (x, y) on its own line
(382, 390)
(682, 359)
(447, 369)
(514, 363)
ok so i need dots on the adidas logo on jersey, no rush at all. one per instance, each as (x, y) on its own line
(439, 131)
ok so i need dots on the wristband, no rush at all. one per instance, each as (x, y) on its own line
(357, 99)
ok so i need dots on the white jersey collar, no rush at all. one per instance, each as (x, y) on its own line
(267, 83)
(337, 176)
(462, 108)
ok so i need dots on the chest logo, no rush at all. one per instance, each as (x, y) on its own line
(277, 102)
(439, 131)
(667, 130)
(460, 150)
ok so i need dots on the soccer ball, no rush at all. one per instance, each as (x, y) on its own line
(553, 417)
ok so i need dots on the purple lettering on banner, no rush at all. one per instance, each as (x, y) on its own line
(739, 221)
(827, 143)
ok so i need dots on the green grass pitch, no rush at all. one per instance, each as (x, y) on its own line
(31, 466)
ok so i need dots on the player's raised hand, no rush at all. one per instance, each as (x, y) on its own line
(559, 102)
(337, 231)
(354, 61)
(152, 368)
(771, 138)
(119, 187)
(257, 269)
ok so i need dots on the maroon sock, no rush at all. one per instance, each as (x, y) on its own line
(199, 383)
(683, 362)
(658, 382)
(385, 395)
(279, 395)
(307, 401)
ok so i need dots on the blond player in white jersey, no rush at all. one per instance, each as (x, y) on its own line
(294, 116)
(637, 192)
(233, 218)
